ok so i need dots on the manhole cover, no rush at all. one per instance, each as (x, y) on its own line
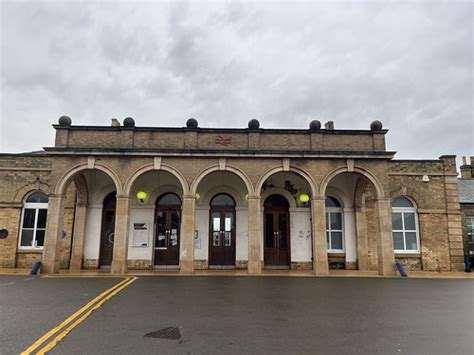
(165, 333)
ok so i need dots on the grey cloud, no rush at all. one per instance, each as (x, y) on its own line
(409, 64)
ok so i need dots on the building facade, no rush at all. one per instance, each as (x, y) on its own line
(125, 197)
(466, 201)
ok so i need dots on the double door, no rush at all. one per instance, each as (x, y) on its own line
(222, 238)
(277, 244)
(107, 233)
(167, 236)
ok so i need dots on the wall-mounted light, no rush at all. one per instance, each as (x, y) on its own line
(141, 196)
(425, 178)
(304, 198)
(246, 196)
(198, 196)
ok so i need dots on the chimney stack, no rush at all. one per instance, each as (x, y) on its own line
(329, 125)
(466, 169)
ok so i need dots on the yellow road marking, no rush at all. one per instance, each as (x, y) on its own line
(45, 337)
(66, 331)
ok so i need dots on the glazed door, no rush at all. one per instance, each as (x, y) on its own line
(222, 238)
(276, 250)
(167, 236)
(107, 237)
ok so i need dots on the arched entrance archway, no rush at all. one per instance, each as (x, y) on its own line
(366, 214)
(167, 232)
(222, 232)
(107, 234)
(295, 193)
(276, 232)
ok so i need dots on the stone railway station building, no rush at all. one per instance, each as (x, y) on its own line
(124, 197)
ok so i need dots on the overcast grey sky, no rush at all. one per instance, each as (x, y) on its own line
(409, 64)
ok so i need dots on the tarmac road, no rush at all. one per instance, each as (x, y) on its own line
(241, 315)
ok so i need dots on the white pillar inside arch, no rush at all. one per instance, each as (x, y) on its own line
(350, 240)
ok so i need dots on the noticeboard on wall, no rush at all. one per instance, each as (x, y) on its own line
(140, 235)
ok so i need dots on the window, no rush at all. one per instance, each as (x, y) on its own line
(33, 221)
(405, 226)
(470, 235)
(334, 226)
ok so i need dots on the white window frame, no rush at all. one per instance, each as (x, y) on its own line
(403, 210)
(470, 236)
(328, 228)
(37, 206)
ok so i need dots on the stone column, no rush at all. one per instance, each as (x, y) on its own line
(362, 243)
(318, 222)
(78, 237)
(386, 257)
(186, 258)
(54, 227)
(122, 221)
(254, 265)
(350, 238)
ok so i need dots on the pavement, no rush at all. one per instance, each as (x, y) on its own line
(239, 315)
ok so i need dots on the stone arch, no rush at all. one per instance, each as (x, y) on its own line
(239, 200)
(371, 177)
(278, 191)
(103, 193)
(132, 178)
(360, 193)
(407, 192)
(312, 184)
(26, 189)
(213, 168)
(81, 189)
(63, 182)
(161, 190)
(339, 195)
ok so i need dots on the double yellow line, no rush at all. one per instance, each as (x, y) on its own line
(75, 319)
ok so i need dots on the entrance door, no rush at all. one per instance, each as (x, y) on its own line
(168, 221)
(222, 232)
(277, 232)
(107, 231)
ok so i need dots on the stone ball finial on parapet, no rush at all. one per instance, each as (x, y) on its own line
(129, 122)
(65, 121)
(254, 124)
(376, 125)
(192, 123)
(315, 125)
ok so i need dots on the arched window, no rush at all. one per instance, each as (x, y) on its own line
(406, 237)
(334, 226)
(222, 200)
(33, 221)
(169, 199)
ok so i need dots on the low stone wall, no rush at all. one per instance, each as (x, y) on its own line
(139, 264)
(336, 262)
(241, 264)
(301, 265)
(27, 259)
(351, 265)
(90, 263)
(410, 263)
(200, 265)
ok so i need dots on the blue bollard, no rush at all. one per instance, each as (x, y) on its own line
(401, 269)
(36, 268)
